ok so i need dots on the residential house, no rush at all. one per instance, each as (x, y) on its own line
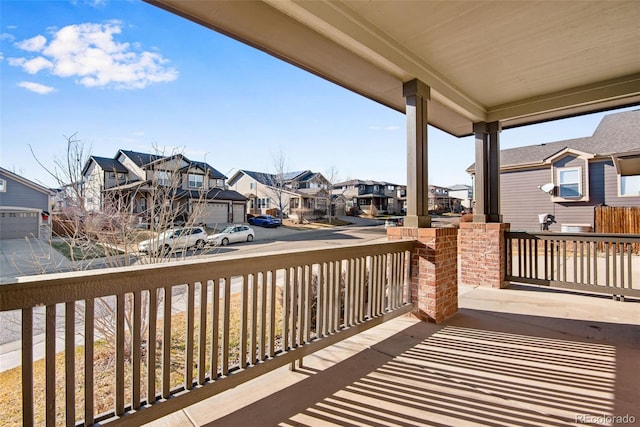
(579, 174)
(140, 183)
(439, 199)
(370, 196)
(24, 207)
(462, 196)
(293, 193)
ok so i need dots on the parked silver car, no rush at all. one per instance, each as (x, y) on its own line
(175, 239)
(232, 234)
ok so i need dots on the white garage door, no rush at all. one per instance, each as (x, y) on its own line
(238, 214)
(212, 214)
(17, 225)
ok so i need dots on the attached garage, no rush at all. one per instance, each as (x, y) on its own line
(239, 213)
(18, 223)
(211, 213)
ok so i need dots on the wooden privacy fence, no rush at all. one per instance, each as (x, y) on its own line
(184, 331)
(614, 219)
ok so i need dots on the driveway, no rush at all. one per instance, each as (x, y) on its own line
(27, 257)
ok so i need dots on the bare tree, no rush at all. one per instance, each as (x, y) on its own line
(101, 223)
(278, 182)
(332, 177)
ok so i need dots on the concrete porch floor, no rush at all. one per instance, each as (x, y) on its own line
(522, 356)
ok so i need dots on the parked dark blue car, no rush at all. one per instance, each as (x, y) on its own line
(265, 221)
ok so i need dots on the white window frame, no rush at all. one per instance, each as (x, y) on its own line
(559, 183)
(620, 185)
(3, 186)
(163, 178)
(194, 179)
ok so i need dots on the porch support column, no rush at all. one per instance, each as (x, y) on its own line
(417, 94)
(434, 272)
(487, 185)
(482, 243)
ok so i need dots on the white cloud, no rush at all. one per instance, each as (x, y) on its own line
(34, 44)
(90, 53)
(31, 66)
(7, 36)
(36, 87)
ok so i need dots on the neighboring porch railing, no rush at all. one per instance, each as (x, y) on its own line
(602, 263)
(188, 330)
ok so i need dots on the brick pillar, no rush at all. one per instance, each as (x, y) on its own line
(482, 254)
(434, 270)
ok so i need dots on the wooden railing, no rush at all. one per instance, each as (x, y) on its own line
(170, 335)
(601, 263)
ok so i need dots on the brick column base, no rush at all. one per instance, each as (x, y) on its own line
(482, 254)
(434, 270)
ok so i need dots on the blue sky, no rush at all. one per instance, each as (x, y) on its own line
(127, 75)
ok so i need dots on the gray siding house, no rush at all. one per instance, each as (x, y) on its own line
(24, 207)
(581, 174)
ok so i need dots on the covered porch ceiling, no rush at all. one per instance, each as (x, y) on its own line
(514, 62)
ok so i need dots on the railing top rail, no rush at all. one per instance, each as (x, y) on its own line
(588, 237)
(33, 291)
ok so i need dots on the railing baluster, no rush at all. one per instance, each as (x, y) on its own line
(614, 265)
(151, 346)
(50, 365)
(215, 326)
(308, 302)
(89, 309)
(69, 363)
(225, 325)
(588, 258)
(120, 354)
(629, 266)
(244, 326)
(166, 343)
(295, 306)
(135, 350)
(595, 263)
(348, 292)
(337, 299)
(321, 291)
(272, 312)
(27, 367)
(253, 342)
(202, 333)
(263, 314)
(189, 343)
(285, 310)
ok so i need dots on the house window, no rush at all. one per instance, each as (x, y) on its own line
(3, 186)
(569, 182)
(252, 185)
(263, 203)
(163, 178)
(629, 185)
(195, 181)
(219, 183)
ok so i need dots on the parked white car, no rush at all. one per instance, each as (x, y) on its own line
(175, 239)
(232, 234)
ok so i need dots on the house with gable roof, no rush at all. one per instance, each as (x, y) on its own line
(569, 179)
(24, 207)
(130, 179)
(289, 192)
